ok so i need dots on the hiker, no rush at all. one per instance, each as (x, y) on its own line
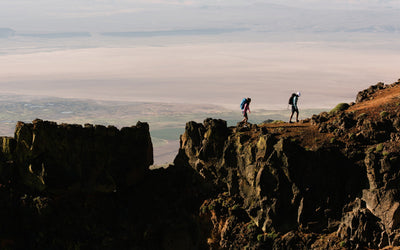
(245, 106)
(293, 101)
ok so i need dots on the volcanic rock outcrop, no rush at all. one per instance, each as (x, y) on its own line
(334, 176)
(67, 156)
(89, 187)
(329, 182)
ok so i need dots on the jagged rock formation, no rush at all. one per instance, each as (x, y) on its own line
(329, 182)
(73, 187)
(281, 183)
(367, 93)
(334, 176)
(66, 156)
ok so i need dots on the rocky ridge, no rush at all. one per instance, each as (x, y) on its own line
(329, 182)
(89, 187)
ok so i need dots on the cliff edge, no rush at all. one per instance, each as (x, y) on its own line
(328, 182)
(331, 181)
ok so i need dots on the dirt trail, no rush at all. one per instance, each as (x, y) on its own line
(308, 135)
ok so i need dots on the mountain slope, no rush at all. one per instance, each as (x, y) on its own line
(329, 182)
(334, 176)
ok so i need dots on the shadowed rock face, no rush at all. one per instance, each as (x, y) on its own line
(330, 182)
(48, 155)
(73, 187)
(283, 186)
(346, 190)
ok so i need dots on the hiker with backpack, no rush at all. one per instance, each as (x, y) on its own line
(245, 106)
(293, 101)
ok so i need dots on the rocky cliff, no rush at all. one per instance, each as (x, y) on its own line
(329, 182)
(47, 155)
(89, 187)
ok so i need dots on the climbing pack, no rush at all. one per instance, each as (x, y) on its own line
(291, 99)
(243, 102)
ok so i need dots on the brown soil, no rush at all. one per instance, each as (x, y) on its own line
(308, 135)
(383, 100)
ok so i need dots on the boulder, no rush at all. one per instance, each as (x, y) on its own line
(361, 228)
(367, 93)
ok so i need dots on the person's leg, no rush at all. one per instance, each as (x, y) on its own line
(290, 120)
(244, 118)
(297, 115)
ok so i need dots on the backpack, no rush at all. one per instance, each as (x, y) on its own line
(291, 99)
(244, 101)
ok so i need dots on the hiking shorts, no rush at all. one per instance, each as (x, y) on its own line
(295, 109)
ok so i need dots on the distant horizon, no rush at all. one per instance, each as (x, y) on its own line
(148, 15)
